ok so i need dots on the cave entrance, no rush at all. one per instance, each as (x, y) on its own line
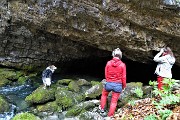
(136, 72)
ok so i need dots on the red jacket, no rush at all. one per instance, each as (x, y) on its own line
(115, 71)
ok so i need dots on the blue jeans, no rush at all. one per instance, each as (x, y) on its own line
(112, 86)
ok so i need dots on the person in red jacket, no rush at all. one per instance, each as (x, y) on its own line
(115, 74)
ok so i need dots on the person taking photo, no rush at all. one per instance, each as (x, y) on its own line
(165, 60)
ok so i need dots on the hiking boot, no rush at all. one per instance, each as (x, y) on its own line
(102, 112)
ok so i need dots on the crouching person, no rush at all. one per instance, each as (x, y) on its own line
(115, 74)
(47, 75)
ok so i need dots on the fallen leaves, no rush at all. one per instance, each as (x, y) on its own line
(143, 108)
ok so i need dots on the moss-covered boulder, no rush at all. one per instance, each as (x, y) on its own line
(66, 98)
(49, 107)
(95, 83)
(4, 81)
(22, 80)
(147, 91)
(25, 116)
(128, 95)
(41, 95)
(9, 74)
(82, 107)
(73, 86)
(64, 81)
(94, 91)
(135, 84)
(4, 105)
(83, 82)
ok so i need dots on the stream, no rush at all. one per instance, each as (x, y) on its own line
(16, 96)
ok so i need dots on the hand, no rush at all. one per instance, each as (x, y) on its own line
(162, 50)
(123, 89)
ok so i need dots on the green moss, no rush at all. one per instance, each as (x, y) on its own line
(73, 86)
(79, 109)
(41, 95)
(9, 74)
(94, 91)
(22, 80)
(74, 111)
(65, 102)
(135, 84)
(4, 81)
(80, 97)
(20, 73)
(29, 68)
(26, 116)
(95, 83)
(64, 81)
(4, 105)
(49, 107)
(83, 82)
(64, 98)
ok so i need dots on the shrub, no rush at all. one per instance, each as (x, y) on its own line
(139, 92)
(166, 97)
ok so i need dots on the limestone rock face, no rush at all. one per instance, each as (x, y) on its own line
(34, 32)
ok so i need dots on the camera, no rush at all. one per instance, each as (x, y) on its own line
(165, 49)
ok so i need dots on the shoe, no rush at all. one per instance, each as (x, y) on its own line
(102, 112)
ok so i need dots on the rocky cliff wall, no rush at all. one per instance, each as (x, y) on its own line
(36, 32)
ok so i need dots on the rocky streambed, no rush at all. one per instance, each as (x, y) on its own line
(69, 97)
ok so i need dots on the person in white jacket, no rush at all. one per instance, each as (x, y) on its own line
(165, 60)
(47, 75)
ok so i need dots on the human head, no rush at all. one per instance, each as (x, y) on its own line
(52, 67)
(117, 53)
(167, 50)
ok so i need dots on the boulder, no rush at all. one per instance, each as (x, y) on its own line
(4, 105)
(25, 116)
(41, 95)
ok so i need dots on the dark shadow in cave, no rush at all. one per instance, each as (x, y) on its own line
(136, 72)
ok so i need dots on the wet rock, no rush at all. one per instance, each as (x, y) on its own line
(4, 105)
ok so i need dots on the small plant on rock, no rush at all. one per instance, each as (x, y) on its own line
(139, 92)
(131, 102)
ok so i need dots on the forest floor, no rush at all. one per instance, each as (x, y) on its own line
(145, 107)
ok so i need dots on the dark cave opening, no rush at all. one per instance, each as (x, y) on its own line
(136, 71)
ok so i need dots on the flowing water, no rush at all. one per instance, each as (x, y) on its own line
(16, 96)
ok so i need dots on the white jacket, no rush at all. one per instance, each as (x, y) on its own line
(164, 66)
